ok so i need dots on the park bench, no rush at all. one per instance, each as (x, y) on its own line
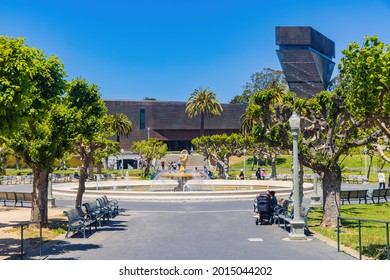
(15, 197)
(356, 179)
(94, 211)
(109, 207)
(286, 214)
(348, 195)
(379, 194)
(78, 221)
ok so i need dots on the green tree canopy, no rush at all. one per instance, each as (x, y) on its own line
(32, 86)
(266, 79)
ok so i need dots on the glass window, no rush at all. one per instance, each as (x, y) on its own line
(142, 119)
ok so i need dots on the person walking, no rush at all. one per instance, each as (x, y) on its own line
(258, 174)
(381, 180)
(263, 174)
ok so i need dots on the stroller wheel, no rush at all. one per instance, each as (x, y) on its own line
(257, 221)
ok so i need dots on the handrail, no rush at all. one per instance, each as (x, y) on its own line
(359, 220)
(22, 253)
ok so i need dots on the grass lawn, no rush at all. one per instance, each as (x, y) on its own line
(351, 165)
(373, 235)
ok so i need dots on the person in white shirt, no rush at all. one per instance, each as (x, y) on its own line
(381, 180)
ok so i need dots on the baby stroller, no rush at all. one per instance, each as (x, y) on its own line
(262, 207)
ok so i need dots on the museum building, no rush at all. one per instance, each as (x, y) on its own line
(168, 122)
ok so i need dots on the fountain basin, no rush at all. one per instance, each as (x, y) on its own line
(222, 190)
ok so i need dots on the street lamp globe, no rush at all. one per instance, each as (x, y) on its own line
(295, 122)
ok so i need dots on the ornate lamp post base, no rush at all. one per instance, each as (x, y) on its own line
(51, 202)
(315, 201)
(297, 230)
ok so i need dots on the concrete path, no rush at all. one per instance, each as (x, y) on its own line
(188, 231)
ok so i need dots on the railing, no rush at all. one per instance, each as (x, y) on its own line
(359, 220)
(22, 226)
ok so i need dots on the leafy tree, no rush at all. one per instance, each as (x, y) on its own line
(31, 86)
(268, 78)
(220, 148)
(365, 85)
(149, 150)
(203, 102)
(121, 125)
(40, 142)
(91, 124)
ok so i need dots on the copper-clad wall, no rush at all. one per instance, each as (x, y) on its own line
(168, 121)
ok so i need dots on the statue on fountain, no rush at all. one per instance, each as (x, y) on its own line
(183, 160)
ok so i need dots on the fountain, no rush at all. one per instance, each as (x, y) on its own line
(162, 178)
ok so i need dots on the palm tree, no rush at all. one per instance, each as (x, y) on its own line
(203, 102)
(121, 125)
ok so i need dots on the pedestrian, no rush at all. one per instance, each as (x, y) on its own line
(381, 180)
(162, 165)
(242, 177)
(258, 174)
(263, 174)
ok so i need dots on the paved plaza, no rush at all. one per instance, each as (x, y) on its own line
(209, 230)
(188, 231)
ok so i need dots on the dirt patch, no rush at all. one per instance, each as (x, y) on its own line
(10, 236)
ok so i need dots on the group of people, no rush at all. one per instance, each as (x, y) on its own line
(260, 175)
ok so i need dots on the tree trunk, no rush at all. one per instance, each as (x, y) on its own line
(17, 162)
(39, 209)
(273, 166)
(222, 166)
(90, 170)
(99, 167)
(331, 185)
(83, 177)
(253, 162)
(201, 124)
(147, 167)
(369, 167)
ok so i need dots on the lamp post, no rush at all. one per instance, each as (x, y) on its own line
(122, 151)
(50, 199)
(148, 133)
(297, 231)
(315, 198)
(244, 151)
(365, 166)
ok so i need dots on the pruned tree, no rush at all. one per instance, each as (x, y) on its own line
(328, 131)
(220, 148)
(149, 150)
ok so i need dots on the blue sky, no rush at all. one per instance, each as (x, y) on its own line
(167, 49)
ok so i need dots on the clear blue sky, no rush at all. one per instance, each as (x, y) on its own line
(166, 49)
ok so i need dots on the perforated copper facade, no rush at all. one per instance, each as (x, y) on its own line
(306, 59)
